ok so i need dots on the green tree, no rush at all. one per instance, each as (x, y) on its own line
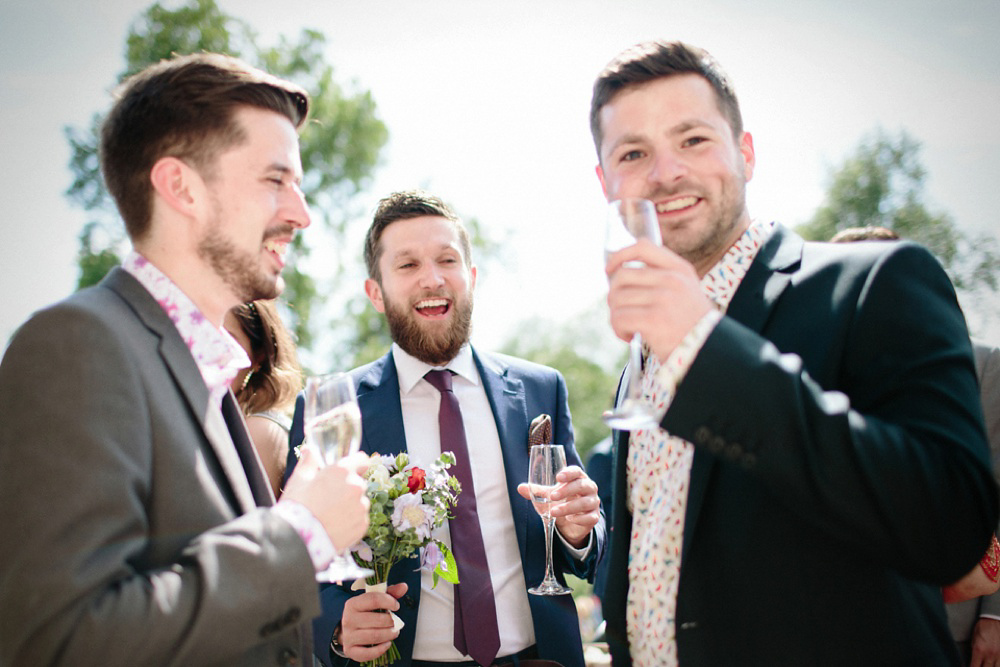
(882, 185)
(579, 350)
(340, 146)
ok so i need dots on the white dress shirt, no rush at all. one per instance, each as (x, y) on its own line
(420, 402)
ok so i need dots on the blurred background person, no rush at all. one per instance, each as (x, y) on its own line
(266, 390)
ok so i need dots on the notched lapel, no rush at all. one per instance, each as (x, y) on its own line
(510, 412)
(768, 277)
(381, 413)
(182, 367)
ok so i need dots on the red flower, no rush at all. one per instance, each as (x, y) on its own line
(416, 481)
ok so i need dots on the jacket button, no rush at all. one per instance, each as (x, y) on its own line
(288, 657)
(689, 625)
(701, 435)
(716, 445)
(408, 601)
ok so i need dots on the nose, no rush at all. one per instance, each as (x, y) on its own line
(297, 208)
(667, 167)
(430, 276)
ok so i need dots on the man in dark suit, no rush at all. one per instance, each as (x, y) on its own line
(139, 526)
(820, 469)
(421, 277)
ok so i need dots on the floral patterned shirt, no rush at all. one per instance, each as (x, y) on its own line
(219, 358)
(658, 468)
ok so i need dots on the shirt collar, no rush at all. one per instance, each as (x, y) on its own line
(411, 370)
(218, 356)
(721, 282)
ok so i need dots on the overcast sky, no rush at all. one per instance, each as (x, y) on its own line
(486, 104)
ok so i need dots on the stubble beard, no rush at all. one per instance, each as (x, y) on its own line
(432, 348)
(717, 235)
(240, 271)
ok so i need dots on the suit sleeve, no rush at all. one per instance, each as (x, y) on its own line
(87, 576)
(891, 450)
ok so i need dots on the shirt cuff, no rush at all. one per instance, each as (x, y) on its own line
(991, 616)
(309, 528)
(581, 553)
(676, 366)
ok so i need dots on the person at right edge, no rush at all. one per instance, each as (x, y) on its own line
(820, 470)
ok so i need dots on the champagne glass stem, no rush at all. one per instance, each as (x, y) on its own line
(635, 359)
(549, 572)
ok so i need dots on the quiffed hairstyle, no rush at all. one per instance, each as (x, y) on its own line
(403, 206)
(183, 108)
(276, 377)
(649, 61)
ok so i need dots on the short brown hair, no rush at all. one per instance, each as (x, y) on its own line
(649, 61)
(403, 206)
(183, 107)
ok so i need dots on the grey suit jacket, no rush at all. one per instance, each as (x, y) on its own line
(131, 534)
(962, 616)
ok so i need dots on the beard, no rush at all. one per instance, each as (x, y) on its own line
(718, 232)
(430, 347)
(241, 271)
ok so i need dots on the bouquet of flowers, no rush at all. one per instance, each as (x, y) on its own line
(407, 504)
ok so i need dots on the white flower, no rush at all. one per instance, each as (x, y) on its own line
(363, 551)
(409, 512)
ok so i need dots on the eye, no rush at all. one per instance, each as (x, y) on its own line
(693, 141)
(631, 155)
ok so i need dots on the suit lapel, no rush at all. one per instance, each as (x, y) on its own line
(510, 412)
(761, 287)
(182, 367)
(381, 413)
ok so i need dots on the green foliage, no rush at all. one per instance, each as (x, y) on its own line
(340, 145)
(882, 185)
(570, 348)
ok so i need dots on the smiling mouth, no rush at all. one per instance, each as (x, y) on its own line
(433, 307)
(678, 204)
(279, 248)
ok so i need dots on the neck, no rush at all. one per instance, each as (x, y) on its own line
(205, 289)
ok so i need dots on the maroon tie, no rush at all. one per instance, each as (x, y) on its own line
(476, 631)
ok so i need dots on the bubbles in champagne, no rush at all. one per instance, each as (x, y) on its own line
(336, 433)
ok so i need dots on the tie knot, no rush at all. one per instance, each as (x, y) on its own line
(440, 379)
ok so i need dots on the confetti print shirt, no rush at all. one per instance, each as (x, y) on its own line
(659, 468)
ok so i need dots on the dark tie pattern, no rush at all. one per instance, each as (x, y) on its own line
(476, 632)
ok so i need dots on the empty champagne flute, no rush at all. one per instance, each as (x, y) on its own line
(332, 421)
(544, 464)
(629, 220)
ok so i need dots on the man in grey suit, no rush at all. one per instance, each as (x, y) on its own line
(139, 528)
(975, 623)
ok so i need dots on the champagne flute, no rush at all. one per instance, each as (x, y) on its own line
(332, 421)
(544, 464)
(628, 221)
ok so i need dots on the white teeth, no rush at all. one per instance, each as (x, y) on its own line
(676, 204)
(432, 303)
(276, 247)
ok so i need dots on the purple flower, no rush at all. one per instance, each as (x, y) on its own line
(431, 557)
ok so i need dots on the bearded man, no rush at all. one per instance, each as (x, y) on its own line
(421, 277)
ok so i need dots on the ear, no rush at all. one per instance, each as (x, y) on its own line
(749, 158)
(374, 293)
(600, 177)
(473, 272)
(174, 182)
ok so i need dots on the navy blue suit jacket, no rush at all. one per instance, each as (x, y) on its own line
(840, 471)
(518, 391)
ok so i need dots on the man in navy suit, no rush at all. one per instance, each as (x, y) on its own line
(421, 277)
(820, 468)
